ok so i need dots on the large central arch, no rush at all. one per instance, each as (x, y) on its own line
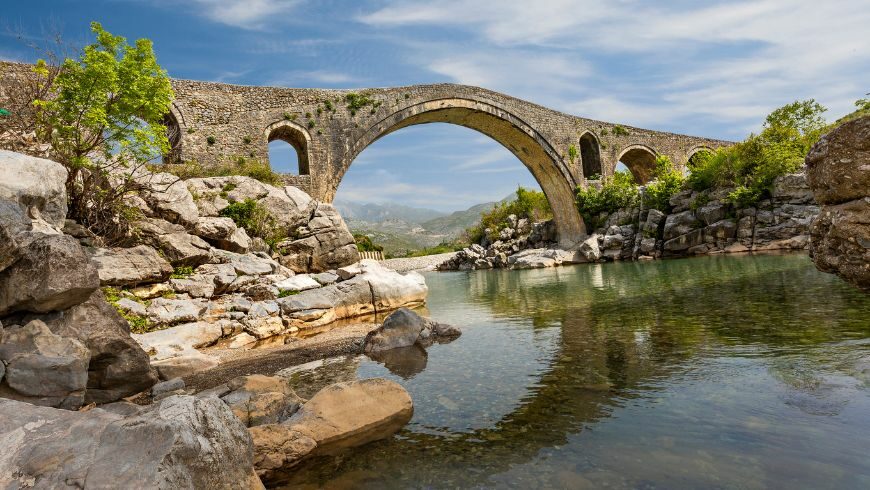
(510, 131)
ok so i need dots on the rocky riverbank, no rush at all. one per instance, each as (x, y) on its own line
(188, 278)
(700, 223)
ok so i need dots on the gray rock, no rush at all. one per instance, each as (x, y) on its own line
(684, 242)
(711, 213)
(345, 273)
(325, 278)
(248, 264)
(837, 166)
(589, 249)
(404, 328)
(323, 243)
(223, 233)
(172, 311)
(130, 266)
(118, 366)
(181, 442)
(793, 189)
(169, 197)
(654, 220)
(680, 224)
(131, 306)
(184, 249)
(163, 387)
(53, 273)
(44, 368)
(300, 282)
(36, 186)
(197, 286)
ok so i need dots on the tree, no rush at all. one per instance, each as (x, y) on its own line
(104, 120)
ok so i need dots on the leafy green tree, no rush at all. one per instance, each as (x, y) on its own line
(668, 181)
(616, 191)
(104, 121)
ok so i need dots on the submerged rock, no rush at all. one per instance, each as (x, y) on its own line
(339, 416)
(404, 328)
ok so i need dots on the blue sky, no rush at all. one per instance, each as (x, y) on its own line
(706, 68)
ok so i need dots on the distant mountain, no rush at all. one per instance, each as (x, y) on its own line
(376, 213)
(400, 228)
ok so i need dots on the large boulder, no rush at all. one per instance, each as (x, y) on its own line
(339, 416)
(838, 166)
(178, 246)
(43, 368)
(130, 266)
(404, 328)
(169, 197)
(52, 273)
(118, 366)
(180, 442)
(223, 233)
(173, 350)
(37, 186)
(322, 244)
(838, 170)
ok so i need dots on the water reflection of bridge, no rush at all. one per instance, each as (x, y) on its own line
(618, 341)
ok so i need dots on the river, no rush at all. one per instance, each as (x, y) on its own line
(709, 372)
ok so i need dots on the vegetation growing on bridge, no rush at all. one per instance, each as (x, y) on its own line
(749, 168)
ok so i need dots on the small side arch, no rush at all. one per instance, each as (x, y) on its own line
(641, 162)
(590, 155)
(173, 134)
(296, 136)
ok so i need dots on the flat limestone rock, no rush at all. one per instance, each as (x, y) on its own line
(130, 266)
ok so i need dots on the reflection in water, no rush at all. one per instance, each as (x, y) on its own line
(405, 362)
(711, 372)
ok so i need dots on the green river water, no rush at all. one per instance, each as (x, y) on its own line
(714, 372)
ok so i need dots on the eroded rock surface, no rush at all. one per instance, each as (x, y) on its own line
(838, 169)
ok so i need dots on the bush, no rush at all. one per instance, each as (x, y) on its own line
(103, 116)
(255, 219)
(365, 244)
(668, 181)
(357, 101)
(244, 167)
(181, 272)
(441, 248)
(529, 204)
(753, 164)
(617, 191)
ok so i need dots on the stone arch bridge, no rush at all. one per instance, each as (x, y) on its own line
(211, 122)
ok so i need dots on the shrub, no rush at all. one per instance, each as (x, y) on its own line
(181, 272)
(617, 191)
(357, 101)
(668, 181)
(255, 219)
(619, 130)
(529, 204)
(441, 248)
(287, 292)
(311, 124)
(572, 153)
(103, 116)
(247, 140)
(364, 243)
(210, 140)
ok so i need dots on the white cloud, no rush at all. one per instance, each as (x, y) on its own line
(246, 14)
(322, 77)
(643, 63)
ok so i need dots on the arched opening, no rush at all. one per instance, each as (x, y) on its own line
(173, 134)
(641, 162)
(552, 175)
(590, 156)
(288, 148)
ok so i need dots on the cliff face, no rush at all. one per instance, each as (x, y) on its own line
(838, 170)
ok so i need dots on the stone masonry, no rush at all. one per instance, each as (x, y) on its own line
(215, 122)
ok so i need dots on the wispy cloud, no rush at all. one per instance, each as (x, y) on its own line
(246, 14)
(316, 77)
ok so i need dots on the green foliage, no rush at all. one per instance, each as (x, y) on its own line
(668, 181)
(138, 323)
(181, 272)
(307, 115)
(287, 292)
(619, 130)
(210, 140)
(364, 243)
(311, 123)
(319, 111)
(863, 109)
(441, 248)
(572, 154)
(103, 115)
(248, 168)
(617, 191)
(255, 219)
(247, 140)
(699, 202)
(289, 117)
(752, 165)
(357, 101)
(328, 105)
(529, 204)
